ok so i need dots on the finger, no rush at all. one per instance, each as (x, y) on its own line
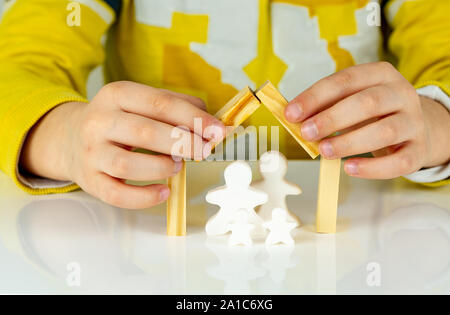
(360, 107)
(140, 132)
(388, 131)
(197, 101)
(165, 107)
(120, 163)
(114, 192)
(332, 89)
(402, 162)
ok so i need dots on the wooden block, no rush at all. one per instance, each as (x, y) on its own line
(239, 108)
(176, 204)
(327, 198)
(276, 103)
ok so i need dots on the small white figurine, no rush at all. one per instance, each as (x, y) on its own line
(273, 168)
(234, 196)
(280, 228)
(241, 229)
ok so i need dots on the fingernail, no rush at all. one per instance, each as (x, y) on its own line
(293, 112)
(309, 131)
(164, 194)
(351, 168)
(215, 132)
(178, 166)
(326, 149)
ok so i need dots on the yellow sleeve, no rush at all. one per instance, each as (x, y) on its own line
(420, 41)
(437, 184)
(44, 62)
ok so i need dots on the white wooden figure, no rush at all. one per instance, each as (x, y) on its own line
(280, 228)
(234, 196)
(273, 168)
(241, 230)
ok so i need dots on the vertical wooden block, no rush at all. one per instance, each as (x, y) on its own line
(328, 194)
(276, 103)
(176, 204)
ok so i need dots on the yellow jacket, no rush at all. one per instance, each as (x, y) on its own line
(206, 48)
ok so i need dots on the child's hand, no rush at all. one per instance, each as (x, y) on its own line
(96, 145)
(376, 110)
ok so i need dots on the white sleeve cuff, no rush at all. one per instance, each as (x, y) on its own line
(35, 182)
(430, 175)
(435, 93)
(435, 174)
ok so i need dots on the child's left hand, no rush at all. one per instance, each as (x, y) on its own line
(376, 110)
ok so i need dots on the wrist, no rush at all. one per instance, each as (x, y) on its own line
(47, 149)
(437, 122)
(72, 114)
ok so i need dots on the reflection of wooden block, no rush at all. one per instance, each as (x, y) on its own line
(327, 198)
(276, 103)
(239, 108)
(176, 204)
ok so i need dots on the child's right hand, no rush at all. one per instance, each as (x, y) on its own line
(91, 144)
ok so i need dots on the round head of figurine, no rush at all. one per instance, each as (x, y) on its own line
(238, 175)
(273, 164)
(279, 214)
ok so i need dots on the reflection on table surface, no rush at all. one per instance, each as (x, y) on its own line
(393, 237)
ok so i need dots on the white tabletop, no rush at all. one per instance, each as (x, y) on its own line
(393, 237)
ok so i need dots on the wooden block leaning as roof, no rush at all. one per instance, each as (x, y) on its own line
(276, 103)
(239, 108)
(176, 204)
